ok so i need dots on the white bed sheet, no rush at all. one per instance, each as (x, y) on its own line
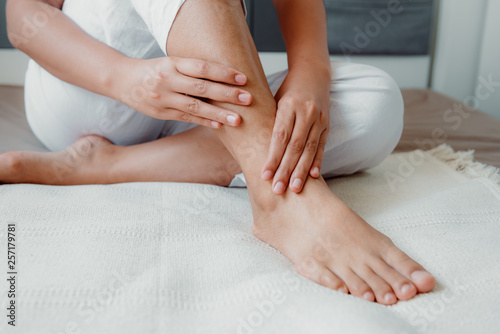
(181, 258)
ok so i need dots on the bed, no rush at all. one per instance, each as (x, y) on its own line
(181, 258)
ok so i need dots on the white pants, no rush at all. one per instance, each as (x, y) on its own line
(366, 116)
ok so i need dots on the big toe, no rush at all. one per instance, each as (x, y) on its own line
(406, 266)
(423, 280)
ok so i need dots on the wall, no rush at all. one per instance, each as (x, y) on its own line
(466, 48)
(489, 64)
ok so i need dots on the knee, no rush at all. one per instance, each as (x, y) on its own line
(366, 118)
(383, 117)
(226, 5)
(386, 108)
(223, 171)
(224, 175)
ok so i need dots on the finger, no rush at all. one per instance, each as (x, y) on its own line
(189, 118)
(196, 107)
(299, 175)
(293, 151)
(315, 170)
(213, 91)
(282, 131)
(197, 68)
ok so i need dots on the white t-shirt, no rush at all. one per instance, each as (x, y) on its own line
(137, 28)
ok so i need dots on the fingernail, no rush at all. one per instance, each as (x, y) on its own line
(343, 290)
(406, 288)
(368, 296)
(245, 98)
(279, 188)
(240, 78)
(231, 119)
(420, 274)
(315, 171)
(215, 124)
(389, 297)
(297, 183)
(267, 175)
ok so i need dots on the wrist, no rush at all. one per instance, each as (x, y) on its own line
(321, 69)
(115, 75)
(315, 61)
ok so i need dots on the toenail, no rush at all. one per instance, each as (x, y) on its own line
(279, 187)
(343, 290)
(406, 288)
(297, 183)
(420, 274)
(389, 297)
(368, 296)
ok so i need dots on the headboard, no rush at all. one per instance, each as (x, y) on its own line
(397, 32)
(359, 27)
(4, 41)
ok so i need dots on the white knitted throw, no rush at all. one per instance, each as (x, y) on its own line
(181, 258)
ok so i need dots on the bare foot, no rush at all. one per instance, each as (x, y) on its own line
(331, 245)
(95, 160)
(81, 163)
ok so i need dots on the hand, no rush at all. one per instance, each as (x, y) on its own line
(173, 88)
(300, 130)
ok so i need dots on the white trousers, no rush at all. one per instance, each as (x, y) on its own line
(366, 116)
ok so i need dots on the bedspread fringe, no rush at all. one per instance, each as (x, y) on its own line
(463, 162)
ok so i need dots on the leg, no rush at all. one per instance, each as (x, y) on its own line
(325, 240)
(358, 93)
(195, 155)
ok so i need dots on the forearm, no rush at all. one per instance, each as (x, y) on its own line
(303, 25)
(54, 41)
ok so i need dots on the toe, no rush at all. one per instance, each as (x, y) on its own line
(402, 263)
(332, 281)
(423, 280)
(319, 273)
(401, 285)
(357, 286)
(383, 291)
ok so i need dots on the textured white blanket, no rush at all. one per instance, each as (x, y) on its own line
(181, 258)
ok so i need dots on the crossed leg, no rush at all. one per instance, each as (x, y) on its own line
(196, 156)
(326, 241)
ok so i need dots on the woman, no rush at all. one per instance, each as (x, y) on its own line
(102, 85)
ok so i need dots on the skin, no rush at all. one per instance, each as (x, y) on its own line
(325, 240)
(302, 119)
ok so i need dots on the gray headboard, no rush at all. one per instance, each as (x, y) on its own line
(357, 26)
(4, 41)
(354, 26)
